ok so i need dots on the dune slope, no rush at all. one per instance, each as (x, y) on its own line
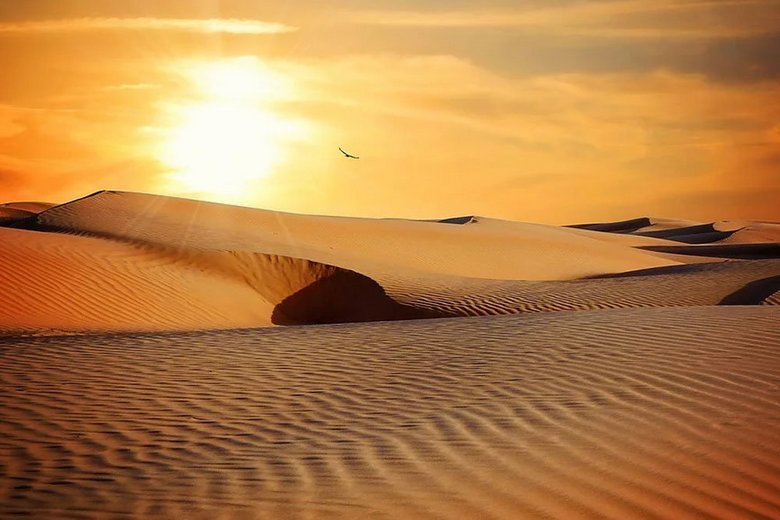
(79, 283)
(522, 252)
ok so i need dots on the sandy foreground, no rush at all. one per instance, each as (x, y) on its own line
(463, 368)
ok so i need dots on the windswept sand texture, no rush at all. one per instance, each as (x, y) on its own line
(638, 413)
(634, 372)
(57, 281)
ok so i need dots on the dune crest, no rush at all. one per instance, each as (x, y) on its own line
(517, 251)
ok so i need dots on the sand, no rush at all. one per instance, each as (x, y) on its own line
(10, 215)
(514, 370)
(134, 262)
(55, 281)
(689, 232)
(518, 252)
(635, 413)
(32, 207)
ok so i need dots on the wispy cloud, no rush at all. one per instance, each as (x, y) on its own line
(197, 25)
(620, 19)
(619, 141)
(129, 86)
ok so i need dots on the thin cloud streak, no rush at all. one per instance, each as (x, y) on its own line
(619, 19)
(193, 25)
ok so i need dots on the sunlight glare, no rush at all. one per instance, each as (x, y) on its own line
(230, 137)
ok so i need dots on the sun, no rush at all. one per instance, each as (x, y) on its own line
(230, 137)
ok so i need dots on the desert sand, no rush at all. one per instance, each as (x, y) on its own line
(612, 370)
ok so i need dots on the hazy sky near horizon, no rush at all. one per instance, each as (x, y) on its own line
(552, 111)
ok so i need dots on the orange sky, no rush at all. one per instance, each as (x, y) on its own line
(558, 112)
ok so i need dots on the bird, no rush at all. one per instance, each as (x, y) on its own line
(347, 155)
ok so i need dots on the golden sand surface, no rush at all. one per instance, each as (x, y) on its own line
(127, 261)
(633, 413)
(468, 368)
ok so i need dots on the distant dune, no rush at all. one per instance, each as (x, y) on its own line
(9, 215)
(149, 367)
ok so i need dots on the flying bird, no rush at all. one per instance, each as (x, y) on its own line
(347, 155)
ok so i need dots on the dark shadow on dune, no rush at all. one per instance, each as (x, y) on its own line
(468, 219)
(701, 238)
(754, 292)
(701, 234)
(11, 216)
(337, 295)
(343, 297)
(654, 271)
(29, 223)
(623, 226)
(741, 251)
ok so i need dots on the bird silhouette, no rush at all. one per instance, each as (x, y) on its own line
(348, 155)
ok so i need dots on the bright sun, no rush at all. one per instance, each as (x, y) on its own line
(230, 138)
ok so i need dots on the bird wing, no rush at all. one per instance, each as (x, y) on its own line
(349, 155)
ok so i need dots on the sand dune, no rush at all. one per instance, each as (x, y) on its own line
(526, 251)
(32, 207)
(79, 283)
(698, 234)
(689, 285)
(122, 261)
(752, 232)
(639, 224)
(640, 413)
(53, 281)
(9, 215)
(688, 232)
(15, 211)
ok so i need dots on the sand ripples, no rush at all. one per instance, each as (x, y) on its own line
(669, 413)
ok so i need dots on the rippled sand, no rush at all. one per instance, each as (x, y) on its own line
(670, 413)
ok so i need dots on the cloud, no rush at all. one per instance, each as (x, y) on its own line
(560, 147)
(440, 135)
(622, 19)
(193, 25)
(129, 86)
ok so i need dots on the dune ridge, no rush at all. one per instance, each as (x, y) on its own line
(364, 245)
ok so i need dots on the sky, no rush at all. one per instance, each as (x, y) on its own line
(554, 111)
